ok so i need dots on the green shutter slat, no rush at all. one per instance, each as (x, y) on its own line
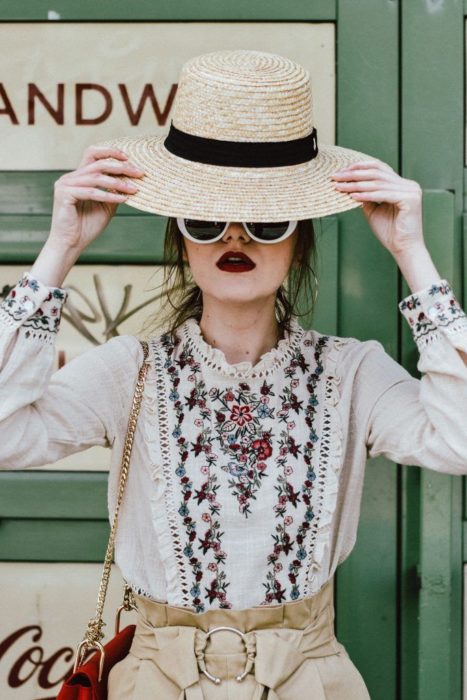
(42, 494)
(164, 10)
(31, 192)
(53, 540)
(126, 240)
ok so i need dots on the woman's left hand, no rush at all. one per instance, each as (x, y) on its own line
(392, 204)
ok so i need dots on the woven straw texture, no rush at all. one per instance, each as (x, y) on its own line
(239, 96)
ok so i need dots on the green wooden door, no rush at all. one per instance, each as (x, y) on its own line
(398, 594)
(432, 152)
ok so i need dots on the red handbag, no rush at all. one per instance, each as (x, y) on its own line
(88, 679)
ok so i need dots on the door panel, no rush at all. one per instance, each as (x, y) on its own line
(367, 120)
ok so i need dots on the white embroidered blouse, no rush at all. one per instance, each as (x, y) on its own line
(245, 481)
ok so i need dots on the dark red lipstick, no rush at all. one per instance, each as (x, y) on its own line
(235, 262)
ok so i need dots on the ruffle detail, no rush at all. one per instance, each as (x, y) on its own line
(215, 359)
(158, 442)
(139, 590)
(330, 460)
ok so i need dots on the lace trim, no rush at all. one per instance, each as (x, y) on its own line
(7, 319)
(140, 591)
(457, 326)
(328, 471)
(162, 500)
(44, 336)
(30, 330)
(452, 332)
(215, 359)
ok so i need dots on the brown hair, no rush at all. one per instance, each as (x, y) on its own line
(185, 298)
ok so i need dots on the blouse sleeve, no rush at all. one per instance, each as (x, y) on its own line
(46, 415)
(422, 422)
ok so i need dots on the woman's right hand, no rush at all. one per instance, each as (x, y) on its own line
(81, 210)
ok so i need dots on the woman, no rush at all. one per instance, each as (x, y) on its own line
(247, 469)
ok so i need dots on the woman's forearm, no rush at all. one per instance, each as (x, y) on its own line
(54, 263)
(417, 267)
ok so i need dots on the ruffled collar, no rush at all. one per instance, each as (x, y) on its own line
(215, 360)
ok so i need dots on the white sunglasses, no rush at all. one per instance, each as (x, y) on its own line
(212, 231)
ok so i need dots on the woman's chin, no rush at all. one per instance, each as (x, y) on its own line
(237, 297)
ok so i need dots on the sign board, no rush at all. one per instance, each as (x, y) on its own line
(67, 85)
(44, 611)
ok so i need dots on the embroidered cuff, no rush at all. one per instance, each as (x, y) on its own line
(431, 310)
(33, 305)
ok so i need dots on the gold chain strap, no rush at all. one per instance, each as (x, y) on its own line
(94, 634)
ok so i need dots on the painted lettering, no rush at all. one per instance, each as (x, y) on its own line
(44, 680)
(15, 677)
(8, 107)
(148, 93)
(80, 89)
(58, 113)
(32, 660)
(56, 107)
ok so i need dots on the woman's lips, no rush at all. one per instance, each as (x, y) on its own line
(235, 262)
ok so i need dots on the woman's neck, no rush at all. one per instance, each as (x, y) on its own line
(242, 334)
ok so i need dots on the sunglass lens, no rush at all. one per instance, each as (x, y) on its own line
(268, 231)
(204, 230)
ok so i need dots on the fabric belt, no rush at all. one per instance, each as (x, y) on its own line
(273, 654)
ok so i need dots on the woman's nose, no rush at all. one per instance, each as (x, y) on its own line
(235, 230)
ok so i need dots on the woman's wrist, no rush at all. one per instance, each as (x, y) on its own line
(54, 263)
(417, 267)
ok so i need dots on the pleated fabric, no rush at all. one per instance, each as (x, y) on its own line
(281, 652)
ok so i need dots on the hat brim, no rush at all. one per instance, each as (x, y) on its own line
(173, 186)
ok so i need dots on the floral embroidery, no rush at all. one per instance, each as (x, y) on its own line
(287, 496)
(242, 439)
(432, 308)
(185, 482)
(250, 445)
(25, 304)
(211, 541)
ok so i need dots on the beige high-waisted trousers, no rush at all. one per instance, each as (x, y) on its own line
(283, 652)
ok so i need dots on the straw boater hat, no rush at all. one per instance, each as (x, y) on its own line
(242, 145)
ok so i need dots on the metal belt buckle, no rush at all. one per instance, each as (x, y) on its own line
(241, 634)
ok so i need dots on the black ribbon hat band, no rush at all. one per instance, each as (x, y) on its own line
(242, 154)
